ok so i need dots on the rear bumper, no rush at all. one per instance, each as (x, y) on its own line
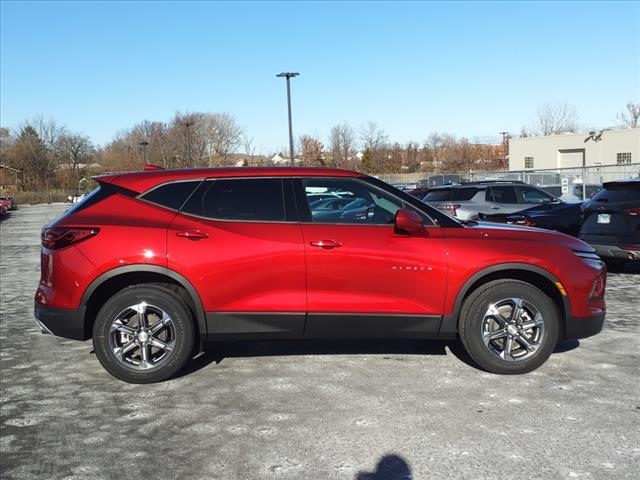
(583, 327)
(67, 323)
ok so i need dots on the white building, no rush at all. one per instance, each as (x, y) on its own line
(609, 147)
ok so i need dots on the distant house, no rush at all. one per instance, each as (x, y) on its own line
(278, 159)
(78, 166)
(9, 178)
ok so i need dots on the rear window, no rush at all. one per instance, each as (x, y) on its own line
(623, 193)
(171, 195)
(240, 200)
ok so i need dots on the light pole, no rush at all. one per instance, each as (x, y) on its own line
(144, 151)
(188, 124)
(288, 76)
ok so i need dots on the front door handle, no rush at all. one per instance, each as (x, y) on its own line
(495, 208)
(192, 234)
(326, 244)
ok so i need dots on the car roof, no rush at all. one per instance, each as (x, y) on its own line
(142, 181)
(632, 182)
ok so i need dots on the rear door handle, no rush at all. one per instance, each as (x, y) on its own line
(327, 244)
(192, 234)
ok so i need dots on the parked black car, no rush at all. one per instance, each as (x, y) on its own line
(612, 222)
(560, 216)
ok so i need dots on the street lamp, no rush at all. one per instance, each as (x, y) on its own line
(144, 151)
(288, 76)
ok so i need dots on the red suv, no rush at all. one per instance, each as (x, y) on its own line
(153, 264)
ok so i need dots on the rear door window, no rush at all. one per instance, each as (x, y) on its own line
(247, 199)
(501, 194)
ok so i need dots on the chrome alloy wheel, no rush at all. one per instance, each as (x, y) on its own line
(142, 336)
(513, 329)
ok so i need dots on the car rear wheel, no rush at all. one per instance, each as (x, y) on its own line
(143, 334)
(509, 326)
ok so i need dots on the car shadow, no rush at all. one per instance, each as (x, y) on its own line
(389, 467)
(216, 352)
(628, 267)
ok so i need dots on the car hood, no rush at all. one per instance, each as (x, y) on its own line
(504, 231)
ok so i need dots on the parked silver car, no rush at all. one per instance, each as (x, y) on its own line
(467, 200)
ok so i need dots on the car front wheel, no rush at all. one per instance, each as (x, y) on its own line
(509, 326)
(143, 334)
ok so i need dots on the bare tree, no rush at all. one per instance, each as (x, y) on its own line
(222, 135)
(372, 137)
(629, 118)
(552, 119)
(48, 130)
(342, 144)
(72, 149)
(312, 149)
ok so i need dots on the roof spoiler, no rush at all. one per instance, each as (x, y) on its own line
(150, 166)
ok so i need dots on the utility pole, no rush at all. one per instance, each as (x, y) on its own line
(144, 151)
(288, 76)
(189, 160)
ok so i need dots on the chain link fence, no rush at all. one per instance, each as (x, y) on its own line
(559, 181)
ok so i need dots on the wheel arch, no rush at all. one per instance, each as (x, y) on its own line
(536, 276)
(112, 281)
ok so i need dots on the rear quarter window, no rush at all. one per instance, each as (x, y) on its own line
(171, 195)
(462, 194)
(438, 196)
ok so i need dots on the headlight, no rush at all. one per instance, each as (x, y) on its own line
(588, 255)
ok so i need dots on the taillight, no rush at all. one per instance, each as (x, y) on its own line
(452, 208)
(526, 223)
(635, 212)
(599, 285)
(60, 237)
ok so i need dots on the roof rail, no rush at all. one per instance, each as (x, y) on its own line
(484, 182)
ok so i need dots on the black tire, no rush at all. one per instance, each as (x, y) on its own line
(472, 319)
(182, 333)
(615, 264)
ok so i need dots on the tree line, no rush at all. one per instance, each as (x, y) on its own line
(42, 154)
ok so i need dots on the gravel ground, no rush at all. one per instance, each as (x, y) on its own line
(383, 410)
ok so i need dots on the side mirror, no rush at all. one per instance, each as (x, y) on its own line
(408, 222)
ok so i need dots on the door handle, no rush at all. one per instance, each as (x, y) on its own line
(495, 208)
(326, 244)
(192, 234)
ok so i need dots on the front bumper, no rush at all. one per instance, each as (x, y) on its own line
(583, 327)
(67, 323)
(615, 252)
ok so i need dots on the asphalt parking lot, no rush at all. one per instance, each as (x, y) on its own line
(312, 410)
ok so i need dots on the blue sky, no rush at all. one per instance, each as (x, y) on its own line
(470, 69)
